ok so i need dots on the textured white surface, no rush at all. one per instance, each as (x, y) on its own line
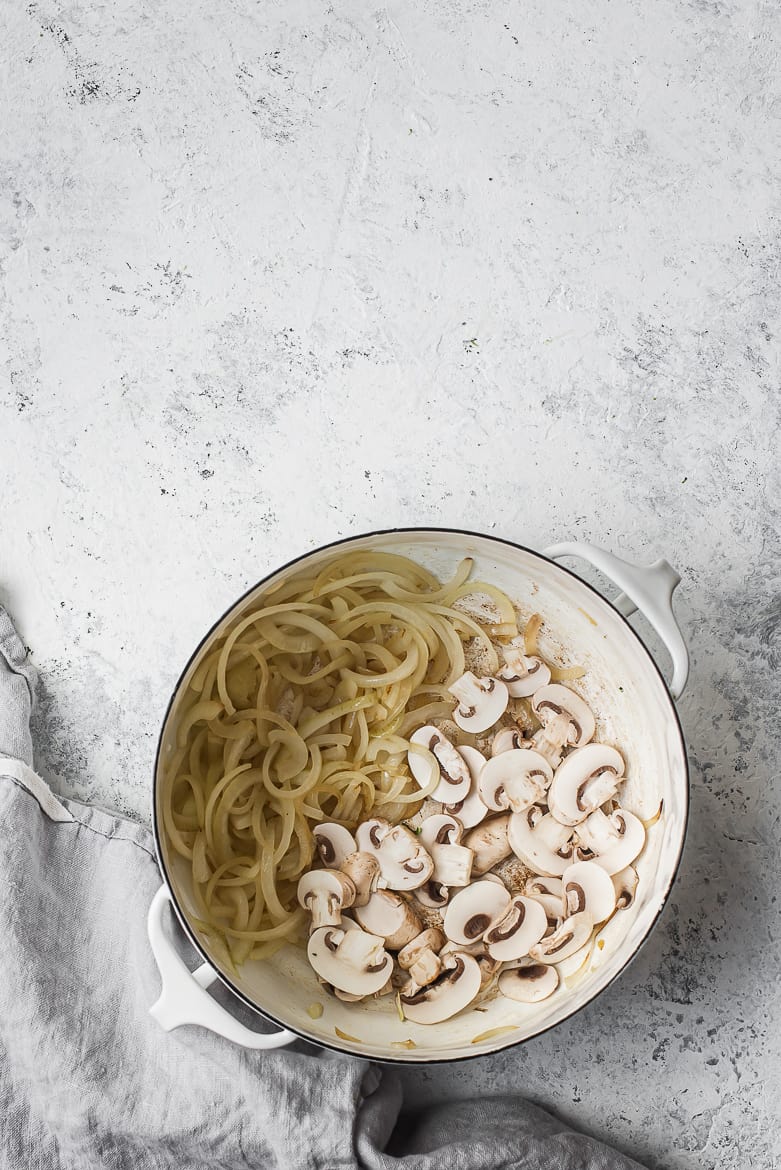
(273, 273)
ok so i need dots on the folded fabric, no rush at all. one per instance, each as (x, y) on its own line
(88, 1079)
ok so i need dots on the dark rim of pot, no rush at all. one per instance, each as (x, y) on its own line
(336, 1047)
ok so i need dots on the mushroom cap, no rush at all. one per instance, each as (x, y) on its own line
(351, 960)
(625, 885)
(530, 982)
(481, 701)
(523, 925)
(440, 829)
(387, 915)
(548, 891)
(523, 674)
(452, 864)
(540, 842)
(325, 893)
(506, 740)
(404, 863)
(588, 887)
(334, 843)
(363, 870)
(555, 699)
(471, 810)
(473, 910)
(616, 840)
(451, 992)
(567, 938)
(588, 777)
(488, 841)
(515, 779)
(454, 777)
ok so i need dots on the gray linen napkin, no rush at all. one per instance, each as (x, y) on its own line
(88, 1079)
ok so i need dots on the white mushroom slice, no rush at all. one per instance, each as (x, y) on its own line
(370, 834)
(568, 937)
(588, 777)
(471, 810)
(588, 887)
(523, 925)
(507, 740)
(489, 843)
(474, 910)
(523, 674)
(529, 983)
(452, 864)
(515, 779)
(334, 843)
(548, 891)
(325, 893)
(566, 719)
(363, 870)
(350, 960)
(625, 885)
(488, 968)
(432, 894)
(575, 963)
(404, 863)
(421, 956)
(481, 701)
(387, 914)
(540, 842)
(455, 988)
(440, 829)
(615, 840)
(454, 777)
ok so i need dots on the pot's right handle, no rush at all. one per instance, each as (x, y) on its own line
(184, 998)
(648, 588)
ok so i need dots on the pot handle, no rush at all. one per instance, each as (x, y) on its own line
(184, 998)
(648, 588)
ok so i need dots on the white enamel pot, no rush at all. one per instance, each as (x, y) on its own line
(635, 710)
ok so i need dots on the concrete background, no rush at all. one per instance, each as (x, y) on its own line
(273, 273)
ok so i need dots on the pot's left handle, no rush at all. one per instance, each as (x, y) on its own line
(184, 998)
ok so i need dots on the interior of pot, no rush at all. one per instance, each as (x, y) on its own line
(633, 711)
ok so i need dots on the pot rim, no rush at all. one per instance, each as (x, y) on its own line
(157, 829)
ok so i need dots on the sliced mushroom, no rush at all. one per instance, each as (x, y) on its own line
(523, 925)
(489, 843)
(523, 674)
(574, 963)
(440, 829)
(454, 777)
(363, 870)
(432, 894)
(529, 983)
(548, 891)
(540, 842)
(568, 937)
(421, 956)
(588, 777)
(325, 893)
(388, 915)
(566, 719)
(615, 840)
(588, 887)
(507, 740)
(515, 779)
(481, 701)
(370, 834)
(351, 960)
(455, 988)
(474, 910)
(488, 968)
(471, 810)
(452, 864)
(404, 863)
(625, 885)
(334, 843)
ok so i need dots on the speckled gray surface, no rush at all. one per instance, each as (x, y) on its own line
(273, 273)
